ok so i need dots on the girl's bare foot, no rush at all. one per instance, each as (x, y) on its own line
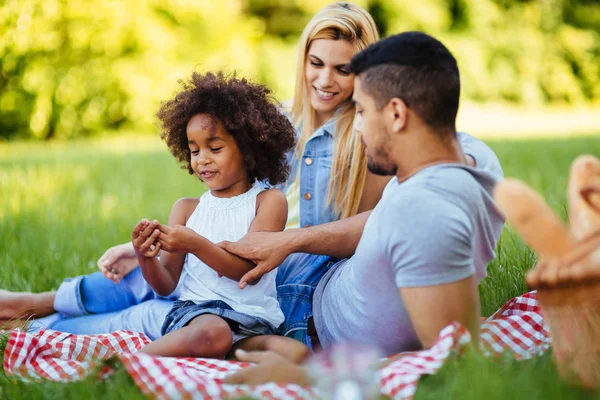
(25, 305)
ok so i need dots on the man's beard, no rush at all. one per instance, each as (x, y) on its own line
(380, 168)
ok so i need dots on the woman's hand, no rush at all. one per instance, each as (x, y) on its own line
(117, 261)
(265, 249)
(176, 239)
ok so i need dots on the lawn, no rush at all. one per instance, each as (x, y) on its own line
(62, 205)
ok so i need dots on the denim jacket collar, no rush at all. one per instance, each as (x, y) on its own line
(328, 127)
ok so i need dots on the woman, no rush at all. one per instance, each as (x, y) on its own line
(327, 148)
(329, 178)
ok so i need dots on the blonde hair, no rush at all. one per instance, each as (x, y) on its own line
(337, 21)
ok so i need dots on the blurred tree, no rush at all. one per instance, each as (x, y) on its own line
(76, 67)
(55, 56)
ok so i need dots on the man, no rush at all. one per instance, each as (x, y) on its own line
(418, 256)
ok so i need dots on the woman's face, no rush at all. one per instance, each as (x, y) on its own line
(328, 82)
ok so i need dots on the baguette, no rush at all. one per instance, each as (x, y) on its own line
(533, 219)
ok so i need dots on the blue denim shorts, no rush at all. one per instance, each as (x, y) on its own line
(242, 325)
(297, 279)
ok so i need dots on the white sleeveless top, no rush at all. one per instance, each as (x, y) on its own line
(219, 219)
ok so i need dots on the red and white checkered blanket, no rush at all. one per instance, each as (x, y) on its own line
(517, 327)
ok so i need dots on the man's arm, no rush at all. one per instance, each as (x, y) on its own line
(268, 249)
(432, 308)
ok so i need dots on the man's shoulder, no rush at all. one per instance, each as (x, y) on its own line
(436, 193)
(454, 180)
(441, 181)
(485, 158)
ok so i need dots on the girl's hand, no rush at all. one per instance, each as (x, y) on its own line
(144, 239)
(118, 261)
(176, 239)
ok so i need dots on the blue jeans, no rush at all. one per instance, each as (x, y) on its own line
(92, 304)
(94, 294)
(297, 279)
(242, 325)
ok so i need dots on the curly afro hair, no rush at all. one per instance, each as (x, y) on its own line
(247, 112)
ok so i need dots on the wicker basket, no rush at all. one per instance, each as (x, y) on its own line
(571, 308)
(567, 276)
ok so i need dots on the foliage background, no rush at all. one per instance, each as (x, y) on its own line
(72, 68)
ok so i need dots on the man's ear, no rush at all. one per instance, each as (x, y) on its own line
(398, 114)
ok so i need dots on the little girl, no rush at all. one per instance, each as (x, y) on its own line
(227, 132)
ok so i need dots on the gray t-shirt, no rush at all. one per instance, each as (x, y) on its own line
(485, 158)
(438, 226)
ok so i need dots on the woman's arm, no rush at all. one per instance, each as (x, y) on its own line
(271, 216)
(374, 185)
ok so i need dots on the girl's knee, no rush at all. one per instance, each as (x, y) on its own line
(210, 341)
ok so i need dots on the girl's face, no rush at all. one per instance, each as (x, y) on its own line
(216, 157)
(328, 82)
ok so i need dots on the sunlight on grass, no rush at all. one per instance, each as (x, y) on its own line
(504, 121)
(35, 185)
(115, 144)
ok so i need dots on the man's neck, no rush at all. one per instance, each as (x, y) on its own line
(424, 149)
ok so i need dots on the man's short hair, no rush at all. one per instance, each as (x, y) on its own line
(416, 68)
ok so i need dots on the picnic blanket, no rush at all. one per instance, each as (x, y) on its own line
(517, 327)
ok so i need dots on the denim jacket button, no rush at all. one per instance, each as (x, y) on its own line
(307, 196)
(308, 161)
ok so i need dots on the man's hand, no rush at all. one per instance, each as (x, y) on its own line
(271, 367)
(265, 249)
(117, 261)
(144, 238)
(176, 239)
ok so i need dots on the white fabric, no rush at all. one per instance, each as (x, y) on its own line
(219, 219)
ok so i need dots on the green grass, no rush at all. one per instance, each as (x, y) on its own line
(117, 386)
(477, 377)
(62, 205)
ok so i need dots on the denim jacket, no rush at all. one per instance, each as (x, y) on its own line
(315, 171)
